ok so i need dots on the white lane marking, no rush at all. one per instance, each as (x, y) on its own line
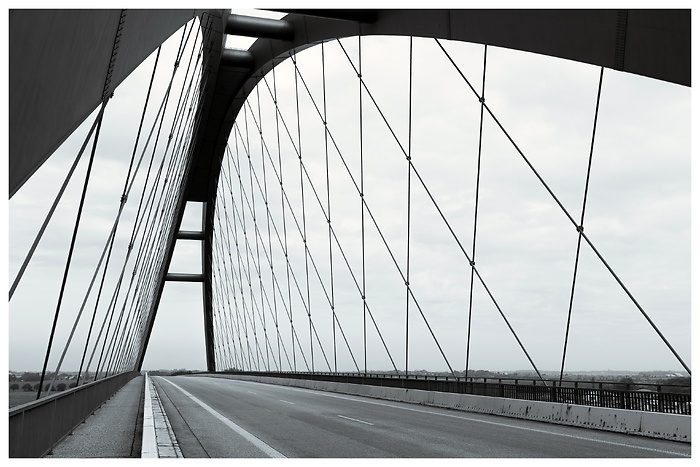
(355, 420)
(257, 442)
(410, 409)
(252, 392)
(293, 403)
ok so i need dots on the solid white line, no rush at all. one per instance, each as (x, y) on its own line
(149, 446)
(506, 425)
(355, 420)
(257, 442)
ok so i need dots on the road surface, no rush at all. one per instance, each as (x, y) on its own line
(217, 417)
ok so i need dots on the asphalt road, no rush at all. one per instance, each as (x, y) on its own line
(216, 417)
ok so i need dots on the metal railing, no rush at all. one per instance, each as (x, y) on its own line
(664, 398)
(36, 427)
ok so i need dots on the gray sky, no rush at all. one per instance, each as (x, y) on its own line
(637, 214)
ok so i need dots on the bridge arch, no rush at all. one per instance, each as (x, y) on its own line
(652, 43)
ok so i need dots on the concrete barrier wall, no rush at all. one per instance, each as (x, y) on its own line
(651, 424)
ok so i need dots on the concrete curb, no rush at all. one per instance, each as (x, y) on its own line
(149, 446)
(651, 424)
(158, 437)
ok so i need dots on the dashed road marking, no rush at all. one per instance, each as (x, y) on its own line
(472, 419)
(355, 420)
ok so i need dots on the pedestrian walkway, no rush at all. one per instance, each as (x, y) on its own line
(113, 431)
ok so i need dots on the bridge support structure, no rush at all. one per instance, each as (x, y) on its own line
(652, 43)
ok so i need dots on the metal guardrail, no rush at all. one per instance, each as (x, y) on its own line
(671, 399)
(36, 427)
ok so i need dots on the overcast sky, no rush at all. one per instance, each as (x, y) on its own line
(637, 213)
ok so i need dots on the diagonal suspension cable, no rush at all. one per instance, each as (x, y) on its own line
(258, 234)
(125, 194)
(70, 250)
(408, 190)
(177, 124)
(580, 230)
(115, 349)
(571, 219)
(285, 198)
(311, 184)
(49, 215)
(225, 319)
(174, 202)
(290, 274)
(280, 342)
(240, 264)
(248, 250)
(312, 328)
(263, 292)
(231, 289)
(357, 283)
(476, 211)
(222, 284)
(364, 201)
(258, 237)
(328, 208)
(240, 311)
(237, 277)
(177, 127)
(284, 217)
(227, 289)
(439, 210)
(362, 204)
(369, 212)
(303, 210)
(259, 273)
(283, 246)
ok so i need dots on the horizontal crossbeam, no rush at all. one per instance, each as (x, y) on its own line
(264, 28)
(237, 58)
(190, 235)
(184, 277)
(360, 16)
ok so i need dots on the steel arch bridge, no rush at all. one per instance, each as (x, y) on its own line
(651, 43)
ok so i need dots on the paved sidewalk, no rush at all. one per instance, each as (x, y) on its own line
(113, 431)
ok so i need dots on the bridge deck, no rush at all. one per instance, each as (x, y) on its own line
(115, 429)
